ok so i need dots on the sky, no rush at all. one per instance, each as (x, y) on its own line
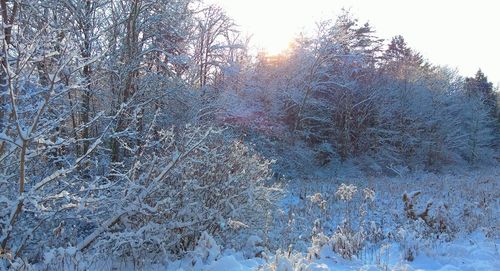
(462, 34)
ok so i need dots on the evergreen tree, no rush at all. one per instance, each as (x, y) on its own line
(480, 86)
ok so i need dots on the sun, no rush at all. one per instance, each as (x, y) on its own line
(276, 46)
(273, 44)
(272, 24)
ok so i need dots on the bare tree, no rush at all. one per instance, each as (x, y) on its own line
(214, 28)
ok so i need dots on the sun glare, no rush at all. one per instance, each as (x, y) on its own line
(276, 46)
(272, 24)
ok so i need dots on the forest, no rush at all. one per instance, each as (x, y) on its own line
(147, 135)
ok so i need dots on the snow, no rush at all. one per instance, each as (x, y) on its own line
(471, 251)
(476, 253)
(227, 263)
(295, 242)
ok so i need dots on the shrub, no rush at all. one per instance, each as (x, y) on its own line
(198, 182)
(350, 236)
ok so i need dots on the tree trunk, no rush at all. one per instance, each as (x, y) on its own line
(7, 21)
(130, 56)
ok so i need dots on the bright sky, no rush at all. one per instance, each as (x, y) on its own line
(458, 33)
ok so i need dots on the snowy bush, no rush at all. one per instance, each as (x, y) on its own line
(254, 247)
(436, 218)
(198, 181)
(63, 259)
(206, 251)
(351, 235)
(288, 261)
(347, 242)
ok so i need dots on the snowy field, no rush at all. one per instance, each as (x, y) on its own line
(474, 252)
(471, 242)
(361, 224)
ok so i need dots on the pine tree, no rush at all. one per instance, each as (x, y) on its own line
(480, 86)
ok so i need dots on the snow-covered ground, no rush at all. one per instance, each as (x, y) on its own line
(474, 252)
(468, 203)
(351, 223)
